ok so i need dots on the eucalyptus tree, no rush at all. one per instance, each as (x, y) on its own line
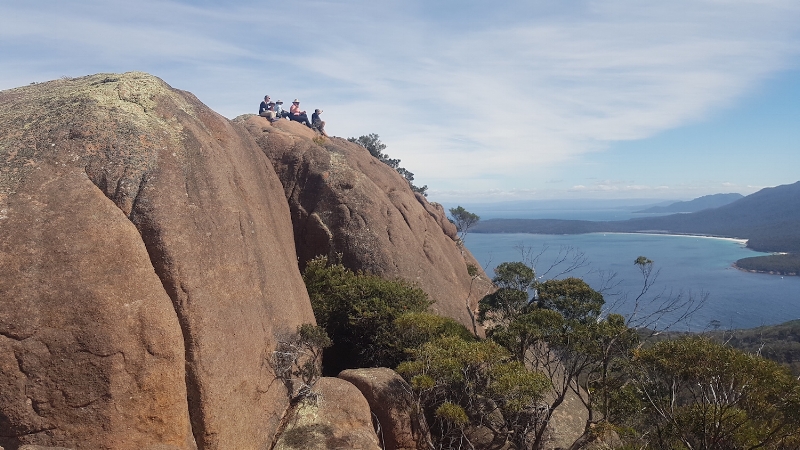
(556, 327)
(463, 220)
(702, 395)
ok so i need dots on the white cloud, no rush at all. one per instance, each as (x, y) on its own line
(471, 96)
(535, 93)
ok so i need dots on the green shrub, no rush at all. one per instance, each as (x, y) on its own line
(416, 328)
(358, 311)
(452, 413)
(701, 394)
(464, 382)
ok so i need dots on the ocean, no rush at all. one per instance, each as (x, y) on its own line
(686, 265)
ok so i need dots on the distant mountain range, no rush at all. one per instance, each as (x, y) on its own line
(769, 219)
(698, 204)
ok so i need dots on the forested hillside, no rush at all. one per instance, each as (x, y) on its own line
(698, 204)
(783, 264)
(769, 219)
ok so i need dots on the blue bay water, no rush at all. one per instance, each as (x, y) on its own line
(687, 264)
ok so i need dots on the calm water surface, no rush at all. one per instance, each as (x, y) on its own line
(688, 265)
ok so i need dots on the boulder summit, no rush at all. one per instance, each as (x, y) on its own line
(149, 255)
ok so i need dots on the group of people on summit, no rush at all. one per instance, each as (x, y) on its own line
(273, 111)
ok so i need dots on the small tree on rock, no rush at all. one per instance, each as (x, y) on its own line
(373, 144)
(297, 360)
(463, 220)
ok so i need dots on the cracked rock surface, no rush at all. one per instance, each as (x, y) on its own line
(337, 419)
(147, 264)
(345, 201)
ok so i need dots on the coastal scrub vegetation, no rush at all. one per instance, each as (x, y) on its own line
(473, 382)
(556, 328)
(700, 394)
(779, 343)
(547, 340)
(363, 314)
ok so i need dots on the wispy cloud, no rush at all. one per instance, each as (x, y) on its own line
(512, 99)
(471, 96)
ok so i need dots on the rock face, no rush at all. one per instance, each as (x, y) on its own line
(89, 343)
(568, 422)
(146, 265)
(389, 397)
(39, 447)
(339, 420)
(344, 201)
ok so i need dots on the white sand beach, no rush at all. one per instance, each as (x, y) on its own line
(702, 236)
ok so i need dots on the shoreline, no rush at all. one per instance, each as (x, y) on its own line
(742, 242)
(765, 272)
(703, 236)
(686, 264)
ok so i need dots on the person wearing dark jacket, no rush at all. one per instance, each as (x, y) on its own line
(318, 124)
(267, 109)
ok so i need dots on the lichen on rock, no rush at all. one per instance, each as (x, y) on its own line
(147, 265)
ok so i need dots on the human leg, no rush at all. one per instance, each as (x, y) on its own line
(302, 118)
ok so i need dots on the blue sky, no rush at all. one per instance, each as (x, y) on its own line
(483, 101)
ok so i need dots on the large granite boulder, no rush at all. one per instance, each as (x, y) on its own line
(146, 265)
(389, 397)
(90, 346)
(345, 202)
(335, 417)
(568, 422)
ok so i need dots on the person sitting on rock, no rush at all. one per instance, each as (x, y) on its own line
(264, 109)
(279, 111)
(318, 124)
(297, 115)
(271, 109)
